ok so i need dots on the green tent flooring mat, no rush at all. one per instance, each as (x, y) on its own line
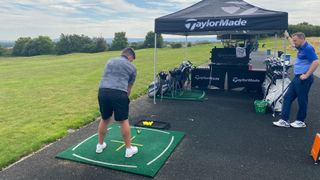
(185, 95)
(155, 146)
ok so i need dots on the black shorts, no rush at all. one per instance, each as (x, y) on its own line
(113, 101)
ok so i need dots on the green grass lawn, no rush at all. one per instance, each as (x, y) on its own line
(42, 97)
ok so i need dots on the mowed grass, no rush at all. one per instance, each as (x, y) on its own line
(42, 97)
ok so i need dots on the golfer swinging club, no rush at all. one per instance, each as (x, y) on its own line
(114, 89)
(305, 65)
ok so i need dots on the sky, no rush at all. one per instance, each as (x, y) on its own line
(21, 18)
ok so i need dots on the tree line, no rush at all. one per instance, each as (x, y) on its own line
(66, 44)
(309, 29)
(43, 45)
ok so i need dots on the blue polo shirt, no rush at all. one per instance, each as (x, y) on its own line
(306, 56)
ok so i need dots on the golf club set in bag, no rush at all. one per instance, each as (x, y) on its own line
(277, 82)
(172, 81)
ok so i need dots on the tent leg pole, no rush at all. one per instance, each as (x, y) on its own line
(186, 49)
(275, 45)
(284, 68)
(154, 65)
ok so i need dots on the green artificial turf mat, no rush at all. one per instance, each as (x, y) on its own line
(155, 146)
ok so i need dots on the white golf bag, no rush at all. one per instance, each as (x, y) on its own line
(160, 86)
(273, 92)
(154, 88)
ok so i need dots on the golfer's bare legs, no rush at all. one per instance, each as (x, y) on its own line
(126, 133)
(102, 130)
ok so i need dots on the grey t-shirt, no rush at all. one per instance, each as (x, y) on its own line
(118, 74)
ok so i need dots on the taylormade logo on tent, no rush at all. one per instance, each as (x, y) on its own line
(193, 24)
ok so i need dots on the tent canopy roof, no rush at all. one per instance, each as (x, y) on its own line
(209, 17)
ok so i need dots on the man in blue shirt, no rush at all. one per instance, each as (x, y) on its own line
(305, 65)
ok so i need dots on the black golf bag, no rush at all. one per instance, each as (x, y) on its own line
(172, 81)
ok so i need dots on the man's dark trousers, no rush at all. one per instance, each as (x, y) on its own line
(297, 89)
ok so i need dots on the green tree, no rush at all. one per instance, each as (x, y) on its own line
(100, 44)
(63, 46)
(41, 45)
(149, 40)
(84, 44)
(119, 41)
(74, 43)
(25, 46)
(20, 45)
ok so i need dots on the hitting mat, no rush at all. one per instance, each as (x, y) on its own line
(185, 95)
(155, 146)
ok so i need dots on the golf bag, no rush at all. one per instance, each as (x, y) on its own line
(272, 86)
(172, 81)
(179, 76)
(185, 68)
(274, 94)
(160, 86)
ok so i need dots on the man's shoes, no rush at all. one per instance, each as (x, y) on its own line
(101, 147)
(131, 151)
(282, 123)
(298, 124)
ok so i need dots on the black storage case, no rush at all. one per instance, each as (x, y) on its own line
(228, 56)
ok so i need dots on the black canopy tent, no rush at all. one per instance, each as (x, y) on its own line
(211, 17)
(218, 17)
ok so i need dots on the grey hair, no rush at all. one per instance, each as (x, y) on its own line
(128, 52)
(300, 35)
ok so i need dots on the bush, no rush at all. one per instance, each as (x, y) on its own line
(19, 48)
(176, 45)
(203, 42)
(1, 50)
(5, 51)
(137, 45)
(41, 45)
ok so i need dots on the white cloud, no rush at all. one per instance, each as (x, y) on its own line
(299, 10)
(104, 17)
(32, 18)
